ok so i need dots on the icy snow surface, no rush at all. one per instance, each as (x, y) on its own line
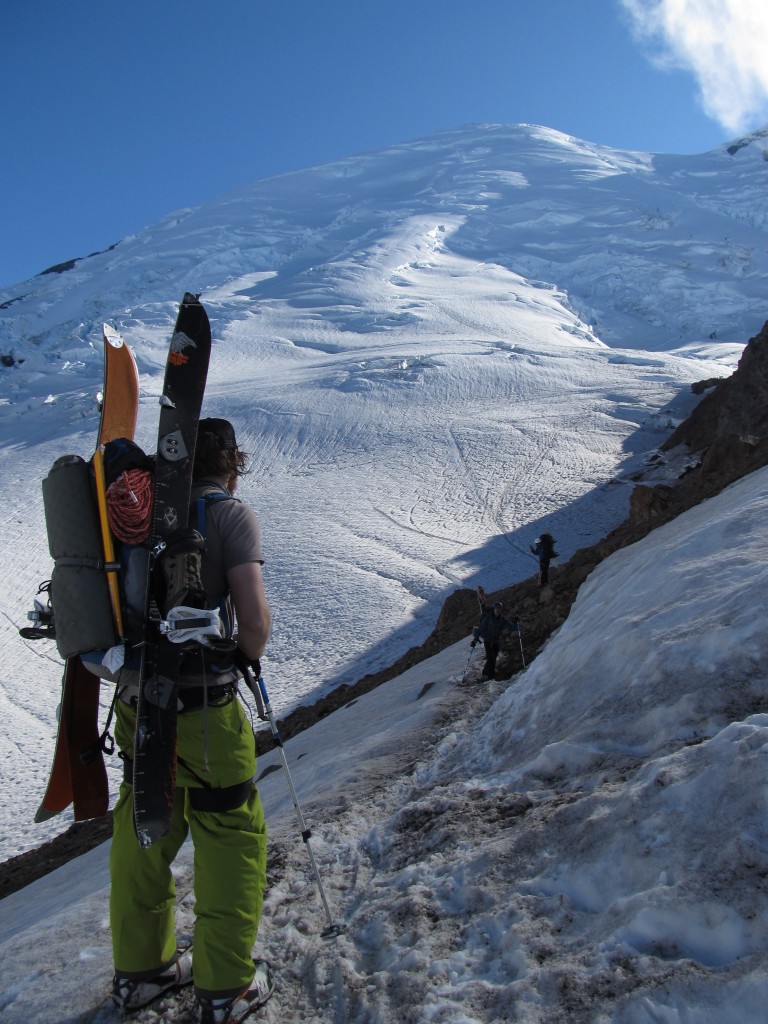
(434, 353)
(590, 848)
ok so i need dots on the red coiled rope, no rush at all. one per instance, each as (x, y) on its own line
(129, 506)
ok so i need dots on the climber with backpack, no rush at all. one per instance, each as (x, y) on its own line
(492, 625)
(544, 549)
(216, 799)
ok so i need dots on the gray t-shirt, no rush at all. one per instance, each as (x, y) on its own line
(232, 536)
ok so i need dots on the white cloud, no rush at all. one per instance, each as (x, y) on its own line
(723, 42)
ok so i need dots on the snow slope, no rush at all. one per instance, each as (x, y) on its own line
(592, 848)
(433, 352)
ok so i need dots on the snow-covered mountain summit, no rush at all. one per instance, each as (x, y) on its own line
(433, 352)
(648, 250)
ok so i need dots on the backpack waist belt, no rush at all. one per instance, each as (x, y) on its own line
(190, 697)
(193, 697)
(205, 798)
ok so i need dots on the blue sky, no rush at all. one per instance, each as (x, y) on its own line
(115, 114)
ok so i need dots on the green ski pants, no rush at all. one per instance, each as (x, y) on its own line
(230, 853)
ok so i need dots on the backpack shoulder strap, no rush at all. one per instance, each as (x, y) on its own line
(200, 507)
(198, 519)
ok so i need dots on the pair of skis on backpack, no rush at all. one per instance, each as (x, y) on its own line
(84, 610)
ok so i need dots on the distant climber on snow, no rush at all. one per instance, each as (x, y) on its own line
(544, 549)
(490, 628)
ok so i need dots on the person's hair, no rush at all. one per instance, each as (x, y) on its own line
(213, 460)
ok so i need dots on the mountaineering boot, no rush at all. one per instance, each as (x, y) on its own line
(237, 1008)
(130, 994)
(181, 570)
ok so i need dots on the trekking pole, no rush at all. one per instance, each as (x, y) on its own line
(466, 667)
(259, 691)
(520, 638)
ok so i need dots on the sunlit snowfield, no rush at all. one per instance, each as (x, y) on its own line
(433, 353)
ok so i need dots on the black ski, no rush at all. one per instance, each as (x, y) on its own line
(154, 765)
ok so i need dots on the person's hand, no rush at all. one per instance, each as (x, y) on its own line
(244, 662)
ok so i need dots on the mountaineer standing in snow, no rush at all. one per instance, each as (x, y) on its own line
(215, 799)
(489, 630)
(544, 549)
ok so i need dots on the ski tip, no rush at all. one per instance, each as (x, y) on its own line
(43, 814)
(333, 931)
(112, 337)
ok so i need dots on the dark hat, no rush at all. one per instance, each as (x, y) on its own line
(498, 607)
(222, 429)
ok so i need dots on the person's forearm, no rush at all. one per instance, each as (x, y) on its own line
(254, 619)
(252, 638)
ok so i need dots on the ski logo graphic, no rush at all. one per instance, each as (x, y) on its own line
(179, 342)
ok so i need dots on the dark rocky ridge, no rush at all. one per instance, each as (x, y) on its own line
(724, 438)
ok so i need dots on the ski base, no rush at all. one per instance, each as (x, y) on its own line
(78, 775)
